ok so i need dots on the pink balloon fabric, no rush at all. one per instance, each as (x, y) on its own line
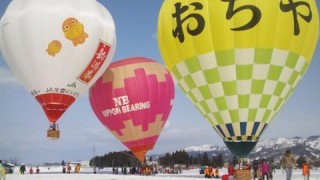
(133, 99)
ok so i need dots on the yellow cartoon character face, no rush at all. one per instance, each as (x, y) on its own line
(74, 31)
(54, 47)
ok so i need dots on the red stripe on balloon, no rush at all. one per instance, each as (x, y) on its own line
(54, 104)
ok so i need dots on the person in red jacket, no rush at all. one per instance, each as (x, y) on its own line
(231, 172)
(30, 170)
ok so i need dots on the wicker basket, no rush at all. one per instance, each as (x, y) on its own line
(243, 174)
(53, 134)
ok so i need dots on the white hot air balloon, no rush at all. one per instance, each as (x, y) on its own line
(57, 49)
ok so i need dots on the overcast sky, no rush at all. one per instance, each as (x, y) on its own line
(23, 124)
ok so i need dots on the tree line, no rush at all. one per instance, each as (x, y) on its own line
(126, 158)
(115, 159)
(181, 157)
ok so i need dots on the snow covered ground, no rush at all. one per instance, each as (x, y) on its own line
(54, 173)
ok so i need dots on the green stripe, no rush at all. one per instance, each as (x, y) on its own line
(176, 73)
(230, 88)
(234, 114)
(221, 103)
(190, 82)
(204, 106)
(252, 115)
(205, 92)
(274, 72)
(212, 76)
(257, 86)
(225, 58)
(293, 78)
(292, 60)
(280, 87)
(265, 99)
(218, 117)
(193, 65)
(244, 72)
(262, 56)
(243, 101)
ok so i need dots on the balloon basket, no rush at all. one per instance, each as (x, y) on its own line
(243, 174)
(53, 134)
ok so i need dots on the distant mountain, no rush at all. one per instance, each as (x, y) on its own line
(273, 148)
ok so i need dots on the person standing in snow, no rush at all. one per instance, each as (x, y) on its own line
(2, 172)
(255, 167)
(265, 169)
(231, 172)
(305, 170)
(31, 170)
(68, 168)
(77, 168)
(22, 169)
(287, 163)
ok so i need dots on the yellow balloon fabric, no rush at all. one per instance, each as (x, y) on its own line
(238, 61)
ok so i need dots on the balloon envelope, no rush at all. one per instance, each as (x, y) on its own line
(238, 61)
(133, 99)
(57, 49)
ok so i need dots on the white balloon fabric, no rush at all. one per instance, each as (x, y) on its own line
(57, 49)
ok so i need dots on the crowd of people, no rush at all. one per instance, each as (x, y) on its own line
(65, 169)
(143, 170)
(263, 170)
(68, 168)
(259, 169)
(211, 172)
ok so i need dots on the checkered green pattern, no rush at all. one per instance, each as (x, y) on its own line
(240, 91)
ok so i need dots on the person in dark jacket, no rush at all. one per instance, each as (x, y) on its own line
(22, 169)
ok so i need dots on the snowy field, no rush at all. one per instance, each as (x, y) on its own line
(54, 173)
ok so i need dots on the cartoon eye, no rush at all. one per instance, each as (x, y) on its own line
(66, 27)
(73, 21)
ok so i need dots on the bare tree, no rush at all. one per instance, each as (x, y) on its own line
(14, 160)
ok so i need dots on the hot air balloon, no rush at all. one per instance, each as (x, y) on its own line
(238, 61)
(133, 100)
(57, 49)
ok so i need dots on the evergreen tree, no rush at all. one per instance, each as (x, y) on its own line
(197, 159)
(191, 160)
(205, 159)
(219, 162)
(234, 160)
(180, 157)
(165, 160)
(214, 161)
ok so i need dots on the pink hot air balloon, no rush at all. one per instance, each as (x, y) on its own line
(133, 99)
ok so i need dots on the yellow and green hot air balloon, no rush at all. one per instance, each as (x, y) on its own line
(238, 61)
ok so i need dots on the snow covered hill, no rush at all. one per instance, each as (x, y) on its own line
(274, 148)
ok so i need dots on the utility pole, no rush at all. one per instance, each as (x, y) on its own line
(94, 160)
